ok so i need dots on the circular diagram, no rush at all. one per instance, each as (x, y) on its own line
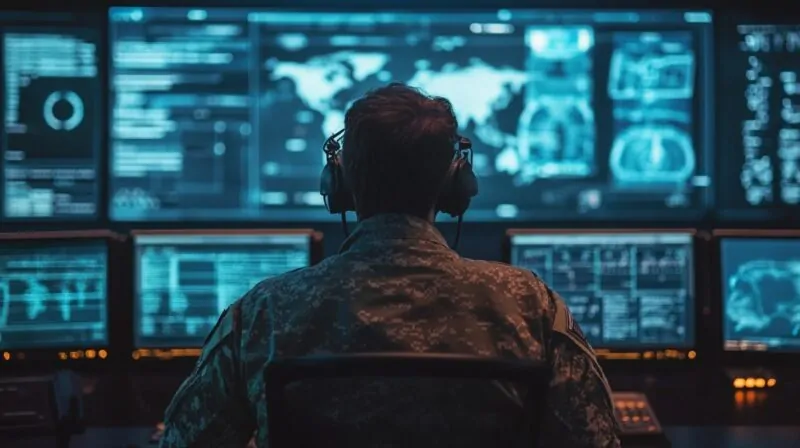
(63, 110)
(652, 154)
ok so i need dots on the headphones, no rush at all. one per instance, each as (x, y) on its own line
(458, 188)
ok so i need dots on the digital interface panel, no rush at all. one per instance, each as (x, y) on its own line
(761, 293)
(51, 137)
(223, 112)
(625, 290)
(185, 282)
(53, 294)
(760, 166)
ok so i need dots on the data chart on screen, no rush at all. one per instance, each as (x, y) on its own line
(625, 290)
(51, 134)
(185, 282)
(761, 293)
(760, 166)
(572, 114)
(53, 295)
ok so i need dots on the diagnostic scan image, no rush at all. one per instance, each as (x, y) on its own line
(761, 294)
(652, 85)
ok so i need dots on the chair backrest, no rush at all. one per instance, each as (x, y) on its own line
(281, 372)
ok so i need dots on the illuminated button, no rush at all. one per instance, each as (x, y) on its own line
(651, 428)
(749, 382)
(760, 382)
(62, 356)
(626, 419)
(103, 354)
(621, 404)
(90, 354)
(640, 405)
(738, 383)
(6, 356)
(136, 355)
(646, 418)
(771, 382)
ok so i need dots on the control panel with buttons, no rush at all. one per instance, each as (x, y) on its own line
(635, 415)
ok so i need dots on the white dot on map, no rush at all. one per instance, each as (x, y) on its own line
(245, 129)
(537, 41)
(219, 127)
(384, 76)
(585, 40)
(219, 149)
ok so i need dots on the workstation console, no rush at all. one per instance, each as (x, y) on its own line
(759, 160)
(53, 294)
(184, 280)
(54, 316)
(760, 291)
(632, 293)
(51, 139)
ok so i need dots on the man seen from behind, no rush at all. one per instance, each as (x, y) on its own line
(394, 286)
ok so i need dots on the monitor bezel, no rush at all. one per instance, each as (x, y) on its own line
(143, 352)
(72, 355)
(660, 354)
(740, 358)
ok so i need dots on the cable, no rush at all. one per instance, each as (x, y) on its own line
(458, 233)
(344, 225)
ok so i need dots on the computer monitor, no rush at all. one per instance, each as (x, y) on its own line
(759, 169)
(629, 291)
(592, 114)
(51, 115)
(760, 279)
(185, 280)
(53, 292)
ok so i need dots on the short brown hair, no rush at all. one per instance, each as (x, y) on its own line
(397, 148)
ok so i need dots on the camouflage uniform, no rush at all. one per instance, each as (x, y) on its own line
(394, 286)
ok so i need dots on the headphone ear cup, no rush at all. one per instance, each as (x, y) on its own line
(332, 186)
(327, 182)
(343, 196)
(461, 186)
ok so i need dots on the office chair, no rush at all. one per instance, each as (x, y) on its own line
(282, 372)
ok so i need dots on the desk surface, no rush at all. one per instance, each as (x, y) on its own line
(681, 437)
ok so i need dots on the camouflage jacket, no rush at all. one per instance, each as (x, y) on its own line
(394, 286)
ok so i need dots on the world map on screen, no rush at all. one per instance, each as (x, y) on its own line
(321, 82)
